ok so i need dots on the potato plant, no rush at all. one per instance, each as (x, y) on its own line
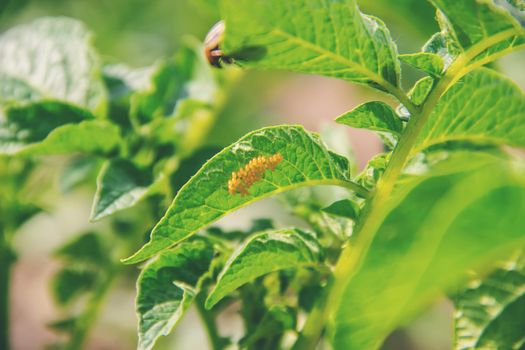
(440, 212)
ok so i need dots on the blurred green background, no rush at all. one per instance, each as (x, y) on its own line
(139, 32)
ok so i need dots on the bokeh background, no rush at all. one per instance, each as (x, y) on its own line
(139, 32)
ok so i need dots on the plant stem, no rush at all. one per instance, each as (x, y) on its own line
(85, 322)
(6, 262)
(311, 332)
(371, 217)
(216, 341)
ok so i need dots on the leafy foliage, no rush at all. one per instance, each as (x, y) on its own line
(264, 253)
(121, 185)
(28, 57)
(483, 107)
(425, 231)
(444, 200)
(205, 198)
(377, 116)
(276, 34)
(489, 311)
(166, 288)
(344, 208)
(428, 62)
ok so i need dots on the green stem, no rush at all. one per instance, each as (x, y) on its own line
(312, 331)
(6, 263)
(208, 319)
(371, 216)
(86, 321)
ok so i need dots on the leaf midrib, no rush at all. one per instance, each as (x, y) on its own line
(338, 58)
(323, 52)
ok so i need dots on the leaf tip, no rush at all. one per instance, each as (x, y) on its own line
(137, 257)
(156, 245)
(210, 301)
(96, 216)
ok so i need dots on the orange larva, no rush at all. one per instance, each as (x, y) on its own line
(244, 178)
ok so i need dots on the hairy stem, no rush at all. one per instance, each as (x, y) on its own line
(215, 340)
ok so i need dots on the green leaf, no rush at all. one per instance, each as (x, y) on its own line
(167, 286)
(205, 198)
(307, 204)
(344, 208)
(120, 185)
(76, 171)
(419, 93)
(22, 212)
(414, 15)
(123, 80)
(48, 127)
(174, 81)
(490, 313)
(187, 128)
(373, 170)
(51, 58)
(472, 22)
(86, 248)
(483, 107)
(277, 320)
(32, 122)
(264, 253)
(189, 166)
(376, 116)
(71, 282)
(430, 63)
(311, 36)
(90, 137)
(443, 45)
(15, 89)
(431, 233)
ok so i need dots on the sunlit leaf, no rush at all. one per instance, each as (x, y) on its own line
(376, 116)
(471, 22)
(167, 287)
(51, 58)
(290, 158)
(264, 253)
(311, 36)
(421, 89)
(428, 62)
(431, 233)
(483, 107)
(55, 128)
